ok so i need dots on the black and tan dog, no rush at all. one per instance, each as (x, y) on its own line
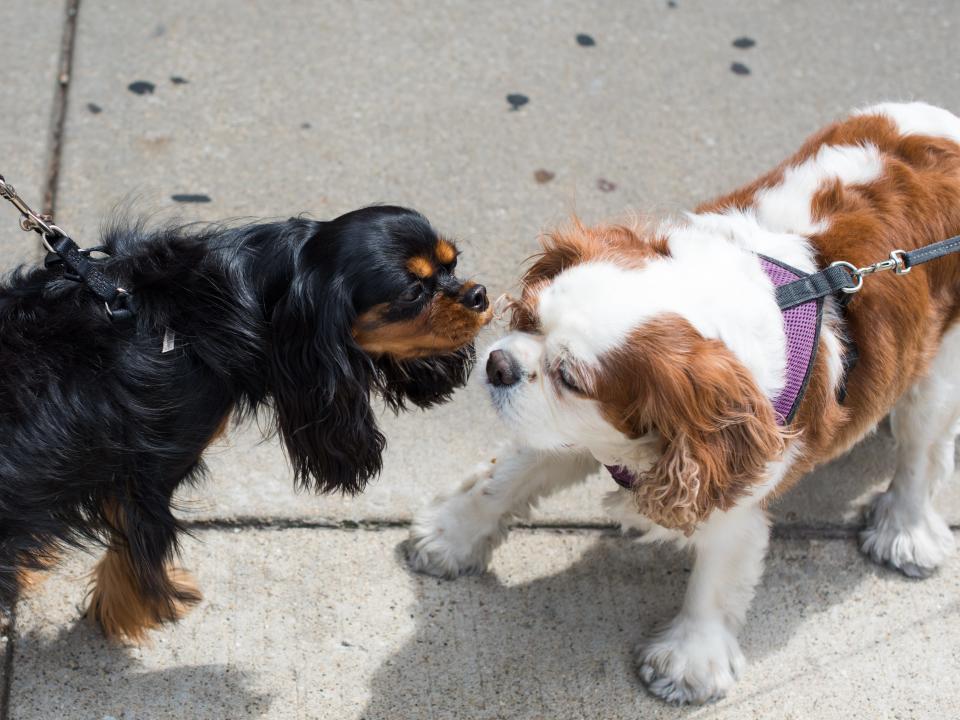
(101, 421)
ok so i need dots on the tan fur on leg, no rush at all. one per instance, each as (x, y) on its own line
(32, 577)
(121, 607)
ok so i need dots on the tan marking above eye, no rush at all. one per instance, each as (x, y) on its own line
(445, 251)
(420, 266)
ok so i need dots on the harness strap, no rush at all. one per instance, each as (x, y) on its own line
(80, 266)
(79, 263)
(831, 281)
(114, 297)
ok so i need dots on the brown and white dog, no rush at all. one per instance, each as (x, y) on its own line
(661, 351)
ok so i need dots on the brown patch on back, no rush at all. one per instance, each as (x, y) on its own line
(119, 603)
(896, 322)
(717, 429)
(445, 251)
(420, 266)
(874, 129)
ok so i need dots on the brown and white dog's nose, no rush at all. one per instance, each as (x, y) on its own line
(503, 369)
(476, 298)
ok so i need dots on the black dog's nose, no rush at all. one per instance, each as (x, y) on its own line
(502, 369)
(476, 298)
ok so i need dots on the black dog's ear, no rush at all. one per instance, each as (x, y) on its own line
(425, 381)
(321, 382)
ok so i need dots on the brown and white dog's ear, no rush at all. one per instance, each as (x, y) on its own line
(717, 428)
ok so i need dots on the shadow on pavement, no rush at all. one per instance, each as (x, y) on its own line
(559, 646)
(190, 691)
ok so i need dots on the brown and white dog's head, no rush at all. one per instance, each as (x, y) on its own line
(627, 347)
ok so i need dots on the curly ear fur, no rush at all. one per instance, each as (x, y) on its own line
(321, 384)
(717, 427)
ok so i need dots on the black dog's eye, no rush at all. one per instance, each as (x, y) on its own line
(412, 293)
(566, 379)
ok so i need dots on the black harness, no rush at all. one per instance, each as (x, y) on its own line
(64, 252)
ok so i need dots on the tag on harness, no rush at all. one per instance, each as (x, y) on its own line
(169, 341)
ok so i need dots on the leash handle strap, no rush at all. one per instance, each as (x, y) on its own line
(931, 252)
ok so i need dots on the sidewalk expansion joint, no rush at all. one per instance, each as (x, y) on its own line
(826, 531)
(7, 635)
(58, 117)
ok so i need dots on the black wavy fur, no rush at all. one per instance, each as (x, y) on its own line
(94, 416)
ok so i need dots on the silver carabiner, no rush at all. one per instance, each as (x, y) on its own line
(855, 272)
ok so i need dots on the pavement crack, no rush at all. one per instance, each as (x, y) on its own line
(59, 115)
(7, 634)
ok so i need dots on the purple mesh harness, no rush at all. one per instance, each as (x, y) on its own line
(801, 323)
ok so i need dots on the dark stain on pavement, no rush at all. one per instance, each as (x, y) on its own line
(604, 185)
(543, 176)
(191, 198)
(584, 40)
(517, 100)
(671, 4)
(739, 69)
(94, 108)
(141, 87)
(178, 80)
(744, 42)
(305, 126)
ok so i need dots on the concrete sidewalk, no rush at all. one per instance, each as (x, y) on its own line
(218, 109)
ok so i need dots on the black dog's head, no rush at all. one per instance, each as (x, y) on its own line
(374, 305)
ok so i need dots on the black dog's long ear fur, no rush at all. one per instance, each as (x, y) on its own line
(425, 382)
(321, 388)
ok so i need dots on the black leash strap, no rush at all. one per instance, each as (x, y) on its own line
(931, 252)
(846, 278)
(114, 297)
(78, 262)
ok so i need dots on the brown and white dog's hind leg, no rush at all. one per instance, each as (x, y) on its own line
(696, 658)
(457, 533)
(903, 528)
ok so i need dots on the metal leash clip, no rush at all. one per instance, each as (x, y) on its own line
(76, 262)
(895, 263)
(31, 221)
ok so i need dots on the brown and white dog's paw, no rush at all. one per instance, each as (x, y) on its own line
(456, 535)
(690, 662)
(915, 542)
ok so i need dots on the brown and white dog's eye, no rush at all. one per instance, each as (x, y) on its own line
(567, 379)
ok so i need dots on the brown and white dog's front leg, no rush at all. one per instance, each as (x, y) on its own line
(457, 533)
(695, 658)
